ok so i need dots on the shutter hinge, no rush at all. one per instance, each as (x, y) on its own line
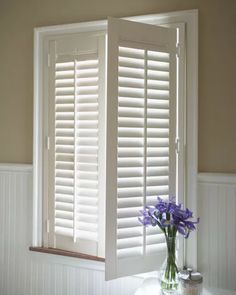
(178, 50)
(177, 145)
(49, 60)
(48, 143)
(47, 225)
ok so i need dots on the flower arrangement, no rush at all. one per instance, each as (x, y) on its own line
(170, 218)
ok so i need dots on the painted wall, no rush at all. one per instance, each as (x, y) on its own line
(217, 63)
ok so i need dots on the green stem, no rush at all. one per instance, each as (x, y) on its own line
(169, 280)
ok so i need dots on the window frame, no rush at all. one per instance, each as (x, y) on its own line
(189, 19)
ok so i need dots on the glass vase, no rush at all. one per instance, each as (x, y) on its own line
(169, 272)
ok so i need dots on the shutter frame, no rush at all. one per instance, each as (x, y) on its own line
(124, 33)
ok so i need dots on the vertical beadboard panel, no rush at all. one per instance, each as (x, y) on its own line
(217, 229)
(27, 273)
(15, 227)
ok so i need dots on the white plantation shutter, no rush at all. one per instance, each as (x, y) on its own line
(76, 133)
(141, 131)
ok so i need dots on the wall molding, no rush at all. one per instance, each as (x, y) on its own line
(217, 178)
(12, 167)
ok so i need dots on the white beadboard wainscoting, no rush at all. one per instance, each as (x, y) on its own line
(28, 273)
(217, 229)
(23, 272)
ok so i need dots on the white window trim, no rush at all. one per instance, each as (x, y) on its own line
(190, 19)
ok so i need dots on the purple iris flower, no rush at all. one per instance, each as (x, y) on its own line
(169, 216)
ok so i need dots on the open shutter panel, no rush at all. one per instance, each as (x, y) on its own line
(76, 146)
(141, 128)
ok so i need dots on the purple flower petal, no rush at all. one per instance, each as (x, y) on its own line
(181, 230)
(145, 220)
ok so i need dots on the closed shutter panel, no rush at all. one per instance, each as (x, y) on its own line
(141, 141)
(78, 87)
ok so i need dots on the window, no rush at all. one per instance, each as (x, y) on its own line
(110, 128)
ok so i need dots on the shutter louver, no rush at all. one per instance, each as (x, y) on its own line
(143, 72)
(141, 146)
(76, 167)
(78, 87)
(130, 150)
(87, 149)
(64, 147)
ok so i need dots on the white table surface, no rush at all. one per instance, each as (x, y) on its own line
(151, 286)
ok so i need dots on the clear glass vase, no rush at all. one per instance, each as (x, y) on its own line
(169, 271)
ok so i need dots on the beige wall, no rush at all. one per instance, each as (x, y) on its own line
(217, 67)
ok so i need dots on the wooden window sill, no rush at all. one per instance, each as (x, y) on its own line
(61, 252)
